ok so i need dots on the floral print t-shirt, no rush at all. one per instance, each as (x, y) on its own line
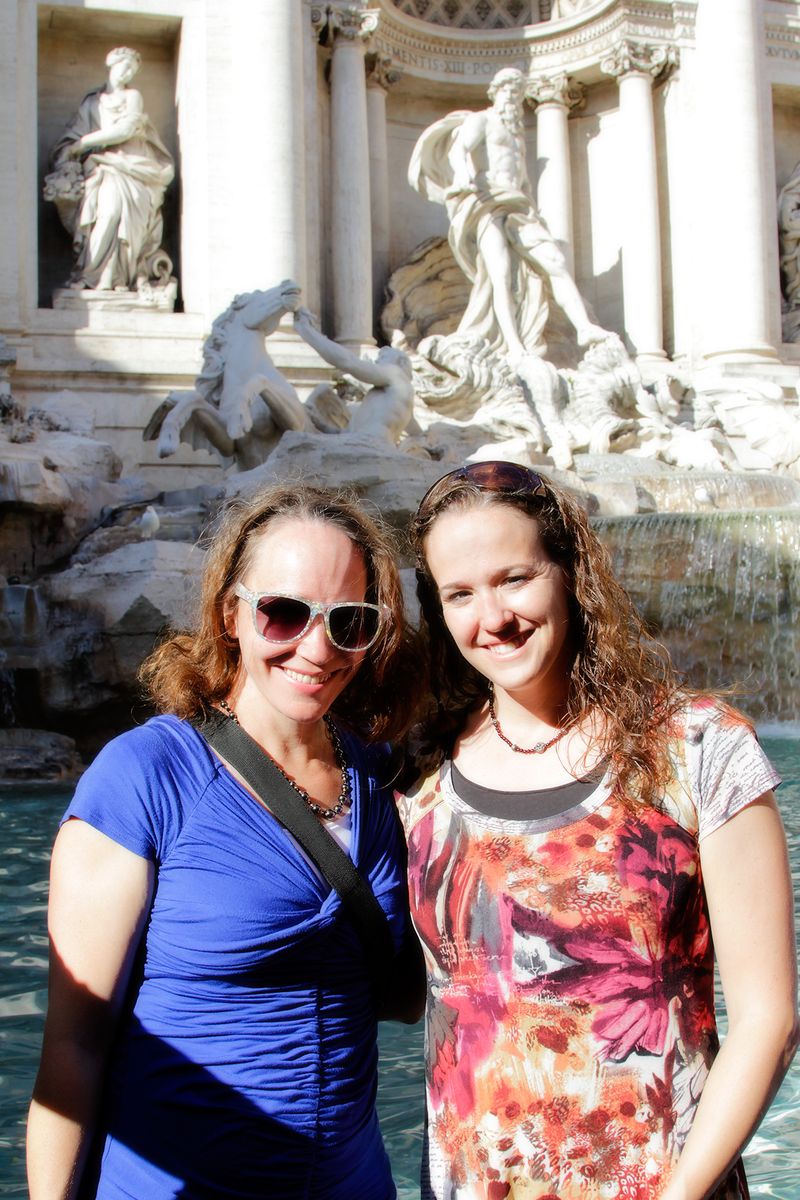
(570, 1022)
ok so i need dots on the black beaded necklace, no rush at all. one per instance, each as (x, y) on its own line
(537, 748)
(344, 799)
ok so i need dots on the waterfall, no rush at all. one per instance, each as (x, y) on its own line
(722, 591)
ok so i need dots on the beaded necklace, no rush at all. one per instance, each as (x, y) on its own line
(537, 748)
(344, 799)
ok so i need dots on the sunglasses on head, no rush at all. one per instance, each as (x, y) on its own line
(350, 625)
(492, 476)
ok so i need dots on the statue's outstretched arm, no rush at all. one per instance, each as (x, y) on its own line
(338, 356)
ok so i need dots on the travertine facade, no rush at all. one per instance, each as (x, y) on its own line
(659, 134)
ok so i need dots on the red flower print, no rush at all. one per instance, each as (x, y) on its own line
(554, 1039)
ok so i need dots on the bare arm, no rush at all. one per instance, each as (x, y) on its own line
(99, 899)
(466, 141)
(339, 356)
(123, 127)
(748, 887)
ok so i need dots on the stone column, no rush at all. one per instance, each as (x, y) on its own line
(635, 66)
(380, 76)
(18, 178)
(314, 19)
(268, 194)
(554, 98)
(738, 312)
(349, 27)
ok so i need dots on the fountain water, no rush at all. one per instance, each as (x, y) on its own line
(722, 590)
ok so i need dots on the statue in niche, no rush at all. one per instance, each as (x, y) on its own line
(241, 404)
(474, 164)
(110, 171)
(387, 408)
(789, 235)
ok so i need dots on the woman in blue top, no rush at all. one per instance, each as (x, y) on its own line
(212, 1028)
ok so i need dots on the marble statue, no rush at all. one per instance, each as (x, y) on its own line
(387, 408)
(606, 397)
(758, 421)
(241, 404)
(789, 236)
(474, 164)
(110, 171)
(598, 405)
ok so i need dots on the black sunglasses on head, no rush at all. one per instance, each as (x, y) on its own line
(492, 476)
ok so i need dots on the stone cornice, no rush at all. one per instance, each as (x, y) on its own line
(575, 44)
(782, 27)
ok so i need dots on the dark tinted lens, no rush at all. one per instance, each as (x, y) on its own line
(352, 626)
(281, 619)
(493, 476)
(503, 476)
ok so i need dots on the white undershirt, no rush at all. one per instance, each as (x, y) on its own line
(341, 830)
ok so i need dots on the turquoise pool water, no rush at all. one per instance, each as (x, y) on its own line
(27, 826)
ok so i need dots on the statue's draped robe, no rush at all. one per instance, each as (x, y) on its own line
(118, 225)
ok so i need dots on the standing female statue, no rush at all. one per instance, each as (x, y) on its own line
(110, 171)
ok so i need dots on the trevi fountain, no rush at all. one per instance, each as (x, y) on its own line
(361, 243)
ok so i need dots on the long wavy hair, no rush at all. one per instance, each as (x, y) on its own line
(622, 682)
(194, 669)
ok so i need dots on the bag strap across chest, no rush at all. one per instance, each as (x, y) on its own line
(277, 795)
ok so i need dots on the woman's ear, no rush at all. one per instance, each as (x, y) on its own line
(230, 618)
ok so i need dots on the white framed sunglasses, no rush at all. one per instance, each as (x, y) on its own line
(277, 617)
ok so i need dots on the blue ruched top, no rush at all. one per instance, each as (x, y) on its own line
(246, 1059)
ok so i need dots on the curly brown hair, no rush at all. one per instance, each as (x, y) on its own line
(618, 672)
(194, 669)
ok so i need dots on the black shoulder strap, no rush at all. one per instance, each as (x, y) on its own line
(242, 752)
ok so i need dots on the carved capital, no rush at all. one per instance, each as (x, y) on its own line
(351, 23)
(556, 89)
(381, 70)
(318, 16)
(639, 58)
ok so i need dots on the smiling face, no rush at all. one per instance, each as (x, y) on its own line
(285, 683)
(504, 601)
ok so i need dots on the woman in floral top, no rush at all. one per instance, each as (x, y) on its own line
(580, 833)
